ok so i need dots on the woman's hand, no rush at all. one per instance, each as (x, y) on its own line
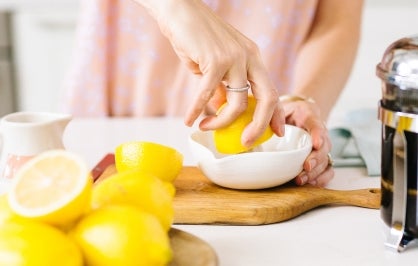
(316, 168)
(322, 69)
(222, 56)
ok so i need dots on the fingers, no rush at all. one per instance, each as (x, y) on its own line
(269, 110)
(207, 88)
(267, 113)
(217, 100)
(320, 181)
(316, 168)
(319, 133)
(277, 122)
(236, 97)
(232, 71)
(222, 54)
(237, 103)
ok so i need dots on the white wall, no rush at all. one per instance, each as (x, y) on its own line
(384, 21)
(43, 43)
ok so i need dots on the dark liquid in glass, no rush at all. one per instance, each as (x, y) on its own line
(409, 152)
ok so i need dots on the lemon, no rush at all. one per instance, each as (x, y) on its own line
(157, 159)
(122, 235)
(140, 189)
(5, 212)
(32, 243)
(228, 139)
(53, 187)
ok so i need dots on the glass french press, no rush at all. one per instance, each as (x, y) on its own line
(398, 112)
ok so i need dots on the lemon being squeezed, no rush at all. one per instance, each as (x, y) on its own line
(228, 139)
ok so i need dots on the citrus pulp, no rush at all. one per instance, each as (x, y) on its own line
(53, 187)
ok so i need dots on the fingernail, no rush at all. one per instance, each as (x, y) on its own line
(205, 124)
(312, 163)
(188, 123)
(246, 142)
(303, 179)
(282, 130)
(313, 182)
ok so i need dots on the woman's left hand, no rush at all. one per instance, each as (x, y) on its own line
(317, 168)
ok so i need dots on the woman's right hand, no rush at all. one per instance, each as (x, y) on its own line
(221, 55)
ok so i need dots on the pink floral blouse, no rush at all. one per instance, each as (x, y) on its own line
(124, 66)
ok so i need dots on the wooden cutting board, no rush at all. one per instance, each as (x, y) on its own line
(199, 201)
(190, 250)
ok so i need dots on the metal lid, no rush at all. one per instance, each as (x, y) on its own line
(399, 65)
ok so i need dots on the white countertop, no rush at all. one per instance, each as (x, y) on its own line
(332, 235)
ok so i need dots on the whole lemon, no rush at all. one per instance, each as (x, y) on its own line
(157, 159)
(139, 189)
(122, 235)
(5, 212)
(33, 243)
(228, 139)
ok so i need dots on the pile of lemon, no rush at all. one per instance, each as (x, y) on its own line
(53, 214)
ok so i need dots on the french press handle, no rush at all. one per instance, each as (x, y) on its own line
(397, 238)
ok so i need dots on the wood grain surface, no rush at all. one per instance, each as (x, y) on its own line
(189, 250)
(199, 201)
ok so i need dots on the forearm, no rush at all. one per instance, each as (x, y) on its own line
(164, 11)
(325, 61)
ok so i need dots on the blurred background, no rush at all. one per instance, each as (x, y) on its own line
(37, 37)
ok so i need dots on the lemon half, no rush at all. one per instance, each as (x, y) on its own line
(156, 159)
(53, 187)
(228, 139)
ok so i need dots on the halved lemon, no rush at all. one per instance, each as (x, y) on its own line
(6, 214)
(53, 187)
(228, 139)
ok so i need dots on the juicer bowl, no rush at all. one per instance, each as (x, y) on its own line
(271, 164)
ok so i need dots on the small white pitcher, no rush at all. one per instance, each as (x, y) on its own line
(26, 134)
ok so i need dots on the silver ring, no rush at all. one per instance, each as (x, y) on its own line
(246, 88)
(330, 160)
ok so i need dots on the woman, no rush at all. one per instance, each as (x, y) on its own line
(184, 57)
